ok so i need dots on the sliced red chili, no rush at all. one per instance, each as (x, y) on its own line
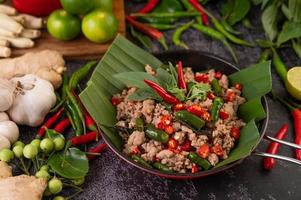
(238, 86)
(218, 75)
(160, 126)
(179, 106)
(173, 143)
(166, 120)
(204, 151)
(230, 96)
(223, 115)
(115, 101)
(169, 129)
(194, 168)
(186, 146)
(199, 111)
(210, 95)
(217, 149)
(135, 150)
(202, 78)
(235, 133)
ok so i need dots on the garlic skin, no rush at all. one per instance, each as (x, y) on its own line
(33, 101)
(3, 117)
(7, 89)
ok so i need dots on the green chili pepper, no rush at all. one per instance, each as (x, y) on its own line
(217, 105)
(279, 65)
(229, 28)
(163, 27)
(64, 85)
(216, 35)
(190, 119)
(216, 87)
(161, 167)
(166, 15)
(75, 118)
(190, 8)
(156, 134)
(80, 74)
(176, 37)
(139, 160)
(193, 157)
(139, 124)
(78, 109)
(265, 55)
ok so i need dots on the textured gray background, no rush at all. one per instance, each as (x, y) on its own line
(110, 178)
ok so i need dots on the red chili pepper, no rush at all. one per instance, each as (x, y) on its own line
(168, 98)
(223, 115)
(199, 111)
(230, 96)
(202, 78)
(115, 101)
(169, 130)
(204, 151)
(62, 125)
(84, 139)
(178, 107)
(49, 123)
(135, 150)
(151, 4)
(200, 9)
(186, 146)
(166, 120)
(269, 163)
(90, 123)
(238, 86)
(173, 143)
(148, 30)
(235, 133)
(194, 168)
(210, 95)
(217, 149)
(181, 80)
(218, 75)
(98, 149)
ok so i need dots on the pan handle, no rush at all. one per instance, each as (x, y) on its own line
(292, 160)
(283, 142)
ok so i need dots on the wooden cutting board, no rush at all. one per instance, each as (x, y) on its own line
(79, 48)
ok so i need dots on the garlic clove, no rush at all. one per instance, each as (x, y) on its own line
(10, 130)
(4, 143)
(7, 89)
(3, 117)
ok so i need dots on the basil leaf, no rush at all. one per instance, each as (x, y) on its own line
(143, 94)
(240, 10)
(73, 165)
(227, 8)
(269, 20)
(286, 11)
(295, 9)
(289, 31)
(199, 91)
(264, 43)
(297, 48)
(178, 93)
(256, 2)
(173, 72)
(134, 79)
(165, 79)
(52, 134)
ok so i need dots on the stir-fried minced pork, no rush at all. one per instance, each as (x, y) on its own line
(212, 143)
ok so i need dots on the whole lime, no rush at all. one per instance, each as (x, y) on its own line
(77, 7)
(63, 25)
(100, 26)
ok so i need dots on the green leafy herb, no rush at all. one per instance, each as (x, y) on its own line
(143, 94)
(52, 134)
(297, 48)
(269, 20)
(240, 10)
(178, 93)
(72, 165)
(295, 9)
(165, 79)
(199, 91)
(290, 30)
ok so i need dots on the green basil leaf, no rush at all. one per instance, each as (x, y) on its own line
(240, 10)
(257, 2)
(134, 79)
(297, 48)
(269, 20)
(52, 134)
(295, 9)
(143, 94)
(248, 140)
(73, 165)
(265, 3)
(252, 109)
(290, 30)
(199, 91)
(178, 93)
(286, 11)
(227, 8)
(165, 79)
(264, 43)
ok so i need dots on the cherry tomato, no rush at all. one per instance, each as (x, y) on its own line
(235, 133)
(204, 151)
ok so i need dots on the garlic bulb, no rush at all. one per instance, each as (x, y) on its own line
(9, 132)
(7, 89)
(4, 143)
(3, 117)
(34, 99)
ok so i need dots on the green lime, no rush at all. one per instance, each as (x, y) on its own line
(100, 26)
(63, 25)
(293, 83)
(77, 7)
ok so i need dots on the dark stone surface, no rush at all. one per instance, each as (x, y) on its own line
(110, 178)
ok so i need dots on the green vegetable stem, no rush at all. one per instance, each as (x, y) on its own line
(192, 120)
(217, 105)
(265, 55)
(176, 37)
(156, 134)
(161, 167)
(139, 160)
(199, 161)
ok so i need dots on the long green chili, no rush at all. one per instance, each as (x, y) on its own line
(216, 35)
(162, 27)
(217, 105)
(161, 167)
(176, 37)
(75, 118)
(190, 8)
(166, 15)
(199, 161)
(139, 160)
(265, 55)
(279, 65)
(216, 87)
(229, 28)
(190, 119)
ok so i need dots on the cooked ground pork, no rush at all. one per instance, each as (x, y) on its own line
(174, 154)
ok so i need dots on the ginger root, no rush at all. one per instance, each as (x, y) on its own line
(47, 64)
(22, 188)
(5, 170)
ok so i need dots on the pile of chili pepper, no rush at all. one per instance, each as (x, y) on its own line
(77, 116)
(161, 15)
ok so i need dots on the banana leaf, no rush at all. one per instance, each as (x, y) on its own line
(124, 58)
